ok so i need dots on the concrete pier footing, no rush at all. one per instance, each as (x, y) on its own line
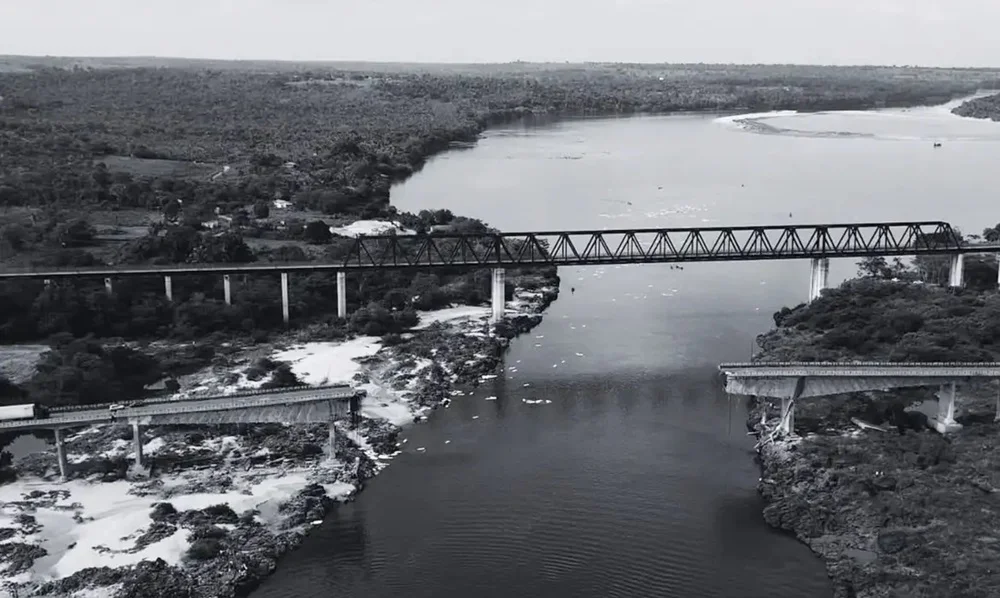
(498, 295)
(61, 455)
(168, 287)
(819, 274)
(341, 295)
(787, 417)
(284, 297)
(945, 421)
(957, 270)
(227, 289)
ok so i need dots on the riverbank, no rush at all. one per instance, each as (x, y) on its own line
(985, 107)
(167, 535)
(891, 514)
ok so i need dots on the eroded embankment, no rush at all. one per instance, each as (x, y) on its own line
(223, 504)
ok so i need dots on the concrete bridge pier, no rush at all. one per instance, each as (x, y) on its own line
(946, 410)
(107, 286)
(955, 273)
(332, 431)
(819, 274)
(168, 287)
(341, 295)
(498, 294)
(284, 296)
(227, 289)
(137, 442)
(787, 424)
(61, 455)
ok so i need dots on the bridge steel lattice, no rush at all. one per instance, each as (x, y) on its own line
(587, 247)
(799, 380)
(818, 242)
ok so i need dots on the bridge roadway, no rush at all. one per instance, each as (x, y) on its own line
(799, 380)
(587, 247)
(310, 405)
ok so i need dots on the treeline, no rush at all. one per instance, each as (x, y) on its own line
(891, 313)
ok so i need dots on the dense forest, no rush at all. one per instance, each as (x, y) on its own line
(188, 162)
(889, 313)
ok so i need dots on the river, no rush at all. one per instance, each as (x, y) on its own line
(637, 479)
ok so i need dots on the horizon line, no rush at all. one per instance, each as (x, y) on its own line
(319, 61)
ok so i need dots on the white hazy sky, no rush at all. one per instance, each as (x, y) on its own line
(925, 32)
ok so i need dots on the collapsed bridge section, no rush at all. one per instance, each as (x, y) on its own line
(790, 381)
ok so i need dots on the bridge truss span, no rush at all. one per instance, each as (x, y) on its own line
(662, 245)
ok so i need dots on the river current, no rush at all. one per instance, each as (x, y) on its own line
(637, 479)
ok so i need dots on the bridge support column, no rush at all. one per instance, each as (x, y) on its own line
(787, 424)
(819, 274)
(955, 273)
(107, 286)
(137, 442)
(998, 270)
(341, 295)
(227, 289)
(333, 441)
(168, 287)
(61, 455)
(946, 410)
(284, 296)
(498, 294)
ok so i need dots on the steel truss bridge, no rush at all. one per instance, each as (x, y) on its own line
(589, 247)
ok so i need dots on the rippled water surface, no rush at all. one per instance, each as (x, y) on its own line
(637, 479)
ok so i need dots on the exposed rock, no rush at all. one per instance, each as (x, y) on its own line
(231, 561)
(20, 556)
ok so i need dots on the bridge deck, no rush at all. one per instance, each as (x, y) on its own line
(589, 247)
(861, 370)
(189, 408)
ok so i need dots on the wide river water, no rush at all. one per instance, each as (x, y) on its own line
(637, 479)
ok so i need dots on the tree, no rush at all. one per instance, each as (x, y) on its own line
(172, 210)
(992, 235)
(261, 209)
(15, 236)
(78, 233)
(317, 232)
(878, 267)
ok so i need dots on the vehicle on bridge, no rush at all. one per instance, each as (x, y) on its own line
(27, 411)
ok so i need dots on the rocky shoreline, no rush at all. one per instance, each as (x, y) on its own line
(986, 107)
(183, 547)
(891, 514)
